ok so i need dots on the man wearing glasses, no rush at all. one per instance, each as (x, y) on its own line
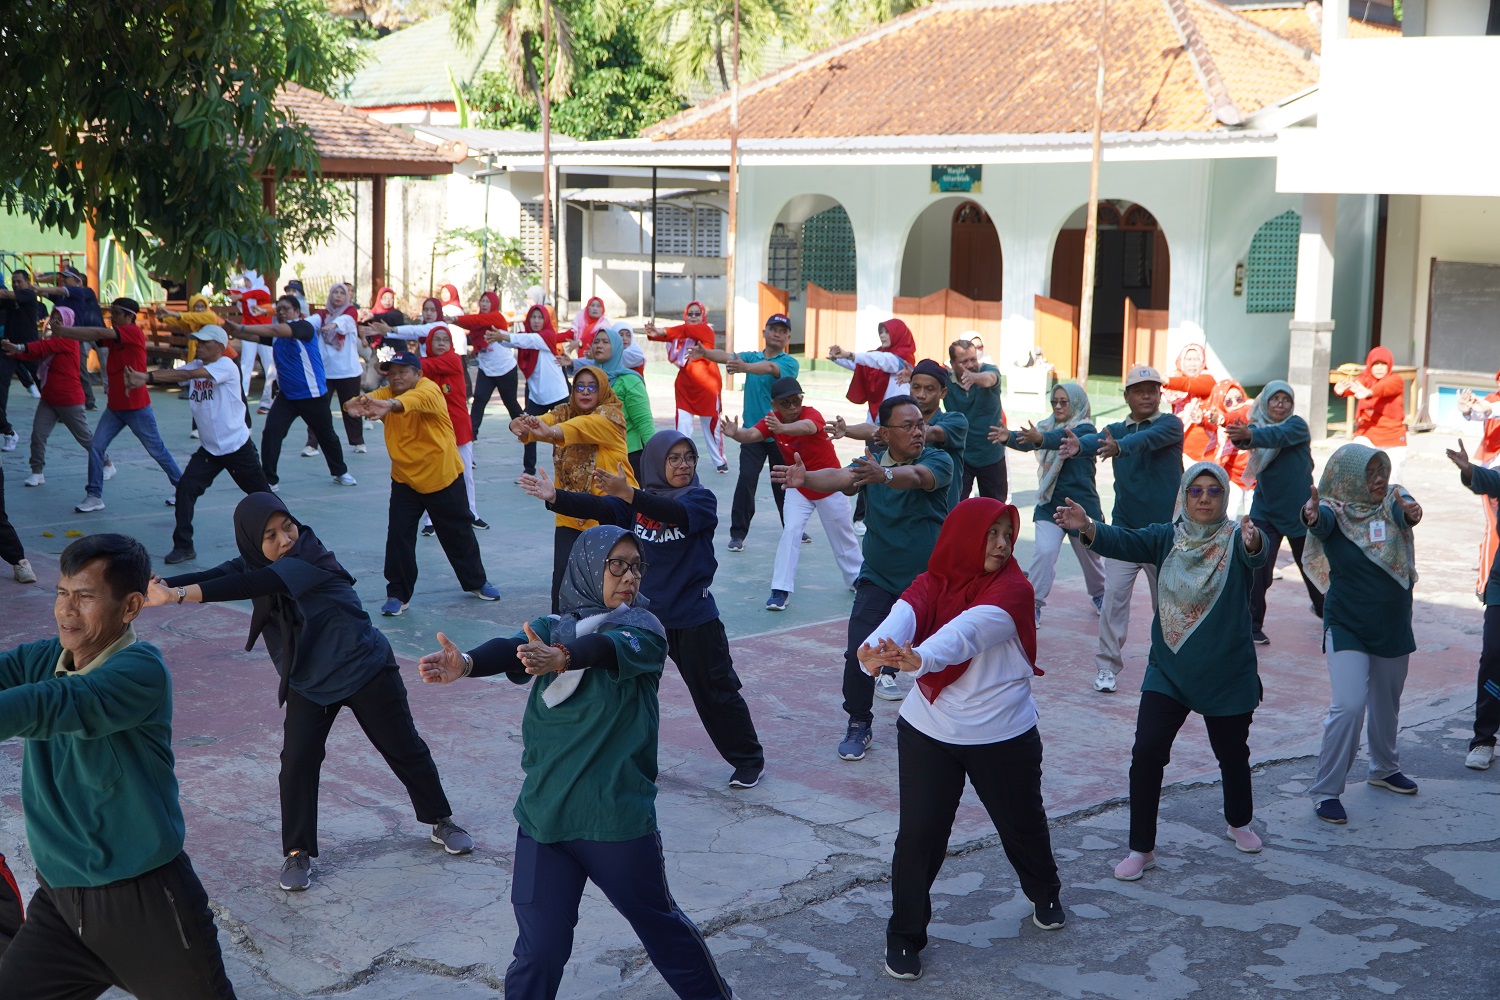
(427, 474)
(1146, 448)
(906, 490)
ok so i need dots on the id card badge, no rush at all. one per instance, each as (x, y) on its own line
(1377, 531)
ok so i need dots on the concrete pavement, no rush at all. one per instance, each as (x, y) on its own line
(787, 878)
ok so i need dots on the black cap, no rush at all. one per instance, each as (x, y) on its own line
(406, 358)
(129, 305)
(779, 319)
(931, 368)
(784, 387)
(295, 285)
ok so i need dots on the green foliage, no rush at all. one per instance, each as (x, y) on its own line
(697, 36)
(618, 89)
(502, 259)
(157, 117)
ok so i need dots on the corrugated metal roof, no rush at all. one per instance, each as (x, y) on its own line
(410, 66)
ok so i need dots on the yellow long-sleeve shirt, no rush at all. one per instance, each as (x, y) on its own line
(590, 441)
(423, 450)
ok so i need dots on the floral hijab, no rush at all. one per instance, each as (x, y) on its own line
(1050, 462)
(1260, 416)
(1344, 489)
(574, 464)
(1193, 575)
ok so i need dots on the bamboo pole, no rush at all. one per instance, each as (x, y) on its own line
(546, 103)
(734, 180)
(1091, 226)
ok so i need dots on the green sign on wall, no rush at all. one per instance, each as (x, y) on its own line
(957, 178)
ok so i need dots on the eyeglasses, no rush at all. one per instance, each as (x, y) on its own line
(1198, 491)
(687, 460)
(585, 390)
(619, 567)
(907, 427)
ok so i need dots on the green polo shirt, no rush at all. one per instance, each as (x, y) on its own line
(901, 526)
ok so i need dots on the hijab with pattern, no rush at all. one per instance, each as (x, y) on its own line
(580, 601)
(955, 581)
(1193, 575)
(1260, 416)
(1345, 490)
(1050, 462)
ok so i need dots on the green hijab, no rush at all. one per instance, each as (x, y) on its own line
(1344, 490)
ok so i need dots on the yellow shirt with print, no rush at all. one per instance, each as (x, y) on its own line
(423, 450)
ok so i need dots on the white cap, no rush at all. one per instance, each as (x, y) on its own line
(1142, 373)
(212, 332)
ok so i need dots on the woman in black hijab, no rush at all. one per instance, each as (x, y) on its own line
(328, 655)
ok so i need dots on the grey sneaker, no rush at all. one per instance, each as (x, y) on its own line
(856, 741)
(454, 838)
(25, 574)
(1478, 759)
(886, 688)
(296, 871)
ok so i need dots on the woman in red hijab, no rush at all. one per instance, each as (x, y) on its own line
(1228, 404)
(698, 382)
(874, 371)
(588, 321)
(497, 362)
(1380, 415)
(451, 304)
(537, 355)
(965, 629)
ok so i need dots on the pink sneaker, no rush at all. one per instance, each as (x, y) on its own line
(1133, 866)
(1245, 839)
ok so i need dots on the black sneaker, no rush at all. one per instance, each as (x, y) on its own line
(296, 872)
(1260, 638)
(429, 530)
(903, 963)
(1331, 811)
(179, 556)
(1049, 916)
(807, 539)
(1398, 783)
(736, 545)
(481, 524)
(746, 777)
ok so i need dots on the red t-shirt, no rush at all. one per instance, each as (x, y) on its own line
(816, 450)
(58, 372)
(128, 352)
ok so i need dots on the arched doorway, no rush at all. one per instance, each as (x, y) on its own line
(952, 244)
(812, 272)
(1132, 265)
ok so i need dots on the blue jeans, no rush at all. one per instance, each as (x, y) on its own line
(142, 424)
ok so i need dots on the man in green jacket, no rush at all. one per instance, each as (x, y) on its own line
(118, 902)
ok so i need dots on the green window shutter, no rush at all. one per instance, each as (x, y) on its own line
(828, 251)
(1271, 279)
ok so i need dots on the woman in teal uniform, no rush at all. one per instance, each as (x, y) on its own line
(1202, 659)
(1360, 553)
(587, 809)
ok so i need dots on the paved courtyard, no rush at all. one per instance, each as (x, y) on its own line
(790, 879)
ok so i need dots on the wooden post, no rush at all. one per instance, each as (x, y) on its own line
(546, 102)
(1091, 227)
(734, 181)
(268, 202)
(91, 253)
(377, 234)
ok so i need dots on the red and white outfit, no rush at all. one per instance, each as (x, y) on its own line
(1188, 395)
(584, 327)
(449, 304)
(257, 308)
(447, 370)
(1230, 458)
(1380, 418)
(537, 357)
(1488, 455)
(698, 384)
(833, 508)
(873, 381)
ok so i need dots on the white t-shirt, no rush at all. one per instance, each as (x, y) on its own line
(218, 404)
(547, 384)
(417, 333)
(991, 701)
(496, 359)
(341, 354)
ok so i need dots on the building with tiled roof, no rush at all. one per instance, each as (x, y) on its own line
(406, 77)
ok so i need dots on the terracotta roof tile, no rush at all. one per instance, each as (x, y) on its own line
(347, 138)
(1293, 23)
(918, 74)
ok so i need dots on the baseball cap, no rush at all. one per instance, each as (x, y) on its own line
(129, 305)
(212, 332)
(406, 358)
(784, 387)
(779, 318)
(1142, 373)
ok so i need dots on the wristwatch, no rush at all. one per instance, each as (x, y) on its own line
(181, 593)
(890, 475)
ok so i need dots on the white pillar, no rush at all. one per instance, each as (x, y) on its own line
(1312, 315)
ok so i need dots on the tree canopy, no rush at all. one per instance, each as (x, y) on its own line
(155, 120)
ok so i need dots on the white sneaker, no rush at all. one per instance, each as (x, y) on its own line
(1105, 681)
(25, 574)
(33, 390)
(194, 435)
(90, 504)
(275, 487)
(360, 449)
(109, 471)
(36, 479)
(887, 689)
(8, 442)
(310, 451)
(345, 480)
(1479, 758)
(859, 529)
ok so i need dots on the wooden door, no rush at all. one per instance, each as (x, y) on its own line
(1067, 267)
(974, 262)
(1056, 325)
(1145, 338)
(772, 300)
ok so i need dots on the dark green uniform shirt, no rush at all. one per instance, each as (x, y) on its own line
(981, 407)
(1282, 489)
(901, 526)
(955, 437)
(1076, 480)
(1366, 608)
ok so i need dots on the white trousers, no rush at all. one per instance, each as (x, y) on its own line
(838, 524)
(1397, 456)
(1238, 502)
(713, 434)
(465, 452)
(1361, 685)
(1114, 618)
(249, 352)
(1043, 571)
